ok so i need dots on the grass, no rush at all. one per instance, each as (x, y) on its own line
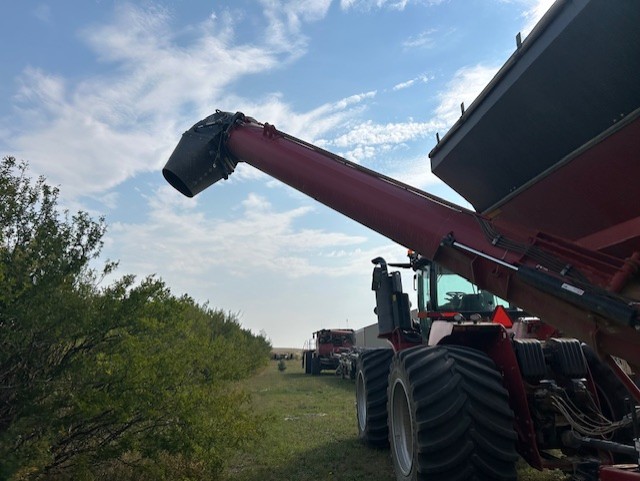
(311, 433)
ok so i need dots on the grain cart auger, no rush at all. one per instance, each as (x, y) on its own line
(549, 157)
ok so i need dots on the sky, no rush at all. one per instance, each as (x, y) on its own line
(95, 94)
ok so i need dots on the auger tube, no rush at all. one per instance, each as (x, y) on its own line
(566, 285)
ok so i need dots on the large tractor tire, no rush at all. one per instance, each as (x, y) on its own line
(449, 416)
(612, 396)
(308, 356)
(352, 370)
(315, 366)
(372, 377)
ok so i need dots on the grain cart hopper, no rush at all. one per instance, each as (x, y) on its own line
(549, 157)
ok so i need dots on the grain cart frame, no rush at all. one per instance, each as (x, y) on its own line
(567, 102)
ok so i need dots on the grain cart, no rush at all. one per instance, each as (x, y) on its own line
(549, 157)
(328, 346)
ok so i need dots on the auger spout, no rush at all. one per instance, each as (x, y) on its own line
(201, 159)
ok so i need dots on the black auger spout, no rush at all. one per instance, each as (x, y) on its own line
(201, 158)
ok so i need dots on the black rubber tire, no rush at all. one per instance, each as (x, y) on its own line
(307, 362)
(611, 396)
(372, 377)
(449, 416)
(315, 366)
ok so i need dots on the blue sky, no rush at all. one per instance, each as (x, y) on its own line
(95, 95)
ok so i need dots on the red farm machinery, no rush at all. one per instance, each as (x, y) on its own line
(323, 351)
(527, 336)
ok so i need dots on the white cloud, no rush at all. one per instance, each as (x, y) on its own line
(183, 240)
(465, 86)
(533, 13)
(423, 40)
(348, 101)
(361, 153)
(390, 4)
(92, 135)
(41, 89)
(309, 126)
(245, 172)
(369, 133)
(403, 85)
(414, 171)
(109, 200)
(258, 262)
(43, 13)
(286, 18)
(367, 139)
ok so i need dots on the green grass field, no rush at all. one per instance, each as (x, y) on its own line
(311, 432)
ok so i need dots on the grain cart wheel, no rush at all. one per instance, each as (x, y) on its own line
(449, 416)
(372, 376)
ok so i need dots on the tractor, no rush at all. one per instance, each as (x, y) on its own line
(323, 351)
(450, 383)
(528, 332)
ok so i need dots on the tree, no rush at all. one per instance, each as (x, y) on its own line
(126, 378)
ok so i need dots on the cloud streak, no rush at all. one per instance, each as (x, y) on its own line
(534, 12)
(92, 135)
(367, 5)
(185, 241)
(465, 86)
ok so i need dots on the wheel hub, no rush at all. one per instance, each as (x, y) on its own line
(361, 402)
(401, 427)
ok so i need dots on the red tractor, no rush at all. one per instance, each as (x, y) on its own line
(325, 349)
(527, 349)
(451, 383)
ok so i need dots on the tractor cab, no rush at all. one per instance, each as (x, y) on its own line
(442, 296)
(442, 291)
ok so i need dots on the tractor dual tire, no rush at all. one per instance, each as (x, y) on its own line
(308, 356)
(316, 366)
(449, 416)
(372, 377)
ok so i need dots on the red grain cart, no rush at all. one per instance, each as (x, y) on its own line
(549, 156)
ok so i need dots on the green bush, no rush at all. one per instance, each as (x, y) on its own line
(123, 381)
